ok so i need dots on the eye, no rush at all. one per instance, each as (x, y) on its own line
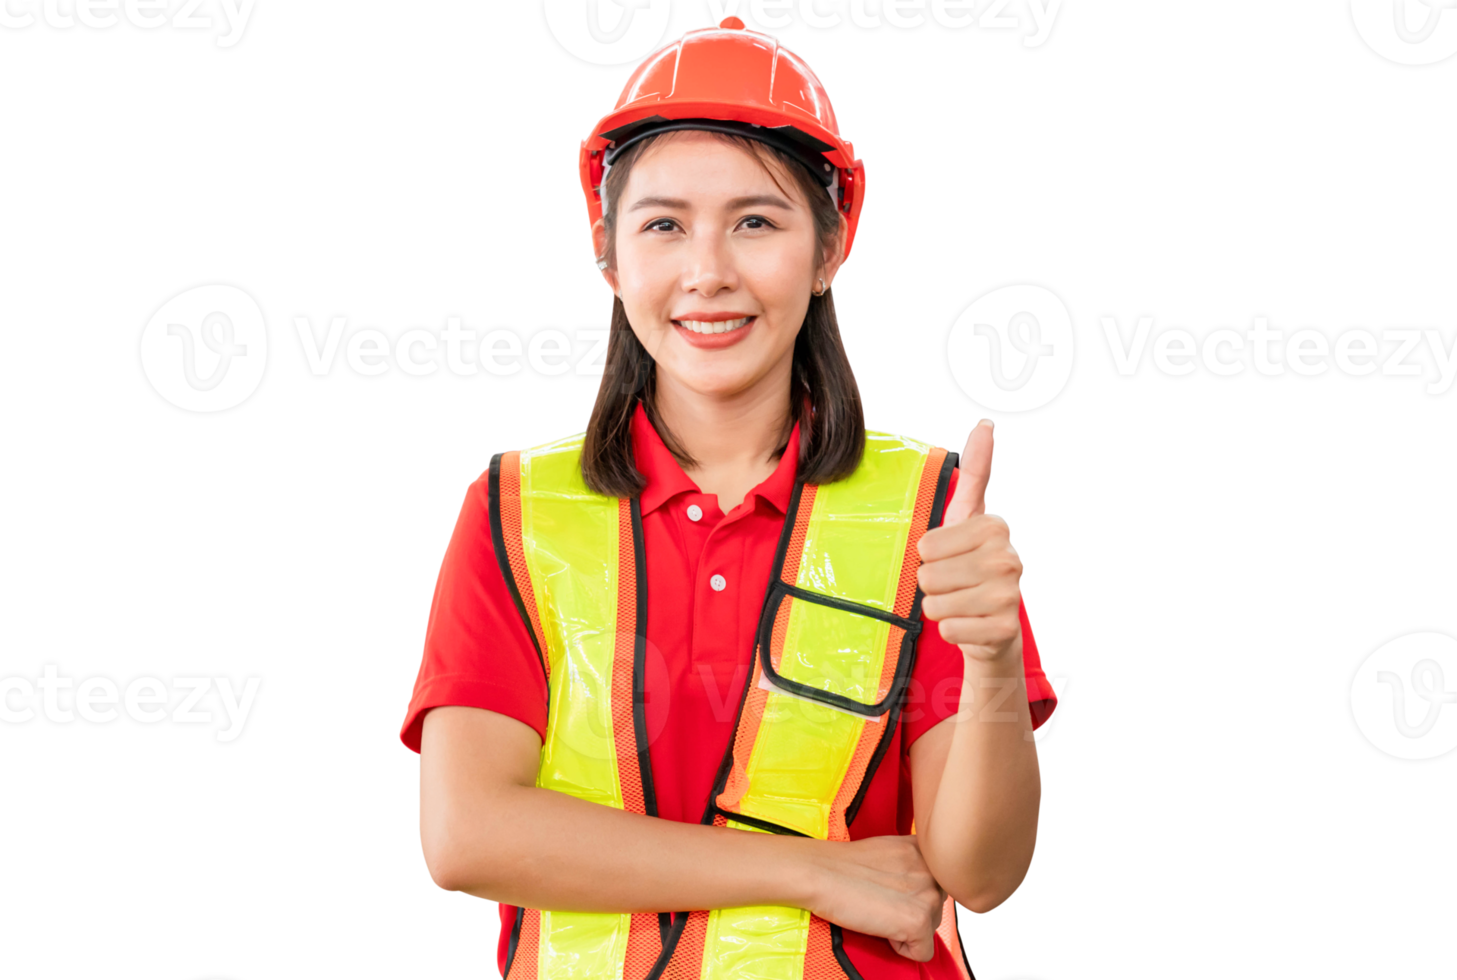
(659, 224)
(760, 222)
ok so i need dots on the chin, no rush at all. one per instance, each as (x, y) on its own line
(714, 384)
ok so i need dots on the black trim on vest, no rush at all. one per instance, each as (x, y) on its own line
(938, 512)
(498, 544)
(515, 938)
(777, 591)
(964, 961)
(639, 664)
(756, 822)
(837, 942)
(670, 926)
(772, 597)
(670, 941)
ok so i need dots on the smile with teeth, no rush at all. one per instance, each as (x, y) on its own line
(721, 326)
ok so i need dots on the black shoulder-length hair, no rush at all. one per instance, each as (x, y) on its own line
(823, 396)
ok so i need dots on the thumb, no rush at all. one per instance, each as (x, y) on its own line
(976, 470)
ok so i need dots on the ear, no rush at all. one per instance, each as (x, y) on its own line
(599, 246)
(834, 255)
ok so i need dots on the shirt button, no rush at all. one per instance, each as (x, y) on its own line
(718, 583)
(695, 513)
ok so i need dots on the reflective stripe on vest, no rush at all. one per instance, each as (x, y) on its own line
(835, 649)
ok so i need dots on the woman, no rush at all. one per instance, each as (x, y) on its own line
(677, 712)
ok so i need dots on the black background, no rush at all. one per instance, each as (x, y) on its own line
(1210, 558)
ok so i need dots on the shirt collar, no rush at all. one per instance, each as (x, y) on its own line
(666, 478)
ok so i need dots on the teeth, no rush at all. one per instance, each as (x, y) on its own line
(722, 326)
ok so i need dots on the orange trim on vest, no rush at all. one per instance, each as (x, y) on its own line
(756, 698)
(524, 960)
(952, 938)
(624, 656)
(819, 955)
(644, 941)
(687, 960)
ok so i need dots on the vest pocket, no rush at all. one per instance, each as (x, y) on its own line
(842, 654)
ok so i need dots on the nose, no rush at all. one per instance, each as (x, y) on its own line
(709, 268)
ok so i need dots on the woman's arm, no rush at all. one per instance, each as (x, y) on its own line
(974, 776)
(488, 830)
(977, 788)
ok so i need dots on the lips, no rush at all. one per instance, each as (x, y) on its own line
(714, 331)
(714, 326)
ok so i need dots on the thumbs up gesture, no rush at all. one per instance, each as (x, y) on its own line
(970, 573)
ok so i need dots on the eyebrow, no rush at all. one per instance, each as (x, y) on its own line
(760, 201)
(660, 203)
(756, 200)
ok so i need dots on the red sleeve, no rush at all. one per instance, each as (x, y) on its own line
(935, 687)
(477, 650)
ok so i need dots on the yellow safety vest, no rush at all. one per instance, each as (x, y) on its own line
(835, 647)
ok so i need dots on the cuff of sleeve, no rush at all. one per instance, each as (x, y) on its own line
(1041, 700)
(470, 692)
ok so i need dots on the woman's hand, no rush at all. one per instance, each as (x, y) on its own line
(880, 886)
(970, 573)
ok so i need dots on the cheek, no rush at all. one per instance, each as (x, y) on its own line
(778, 277)
(644, 284)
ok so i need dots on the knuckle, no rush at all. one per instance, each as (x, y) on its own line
(952, 631)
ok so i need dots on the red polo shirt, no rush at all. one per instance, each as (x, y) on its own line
(706, 574)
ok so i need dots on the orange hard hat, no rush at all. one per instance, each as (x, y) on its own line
(727, 79)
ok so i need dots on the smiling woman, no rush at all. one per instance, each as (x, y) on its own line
(734, 208)
(672, 711)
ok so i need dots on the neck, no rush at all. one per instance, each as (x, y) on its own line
(732, 438)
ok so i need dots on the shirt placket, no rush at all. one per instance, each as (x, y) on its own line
(717, 654)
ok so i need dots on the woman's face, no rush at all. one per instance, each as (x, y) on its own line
(715, 264)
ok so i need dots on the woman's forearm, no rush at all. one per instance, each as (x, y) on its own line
(489, 831)
(982, 829)
(544, 849)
